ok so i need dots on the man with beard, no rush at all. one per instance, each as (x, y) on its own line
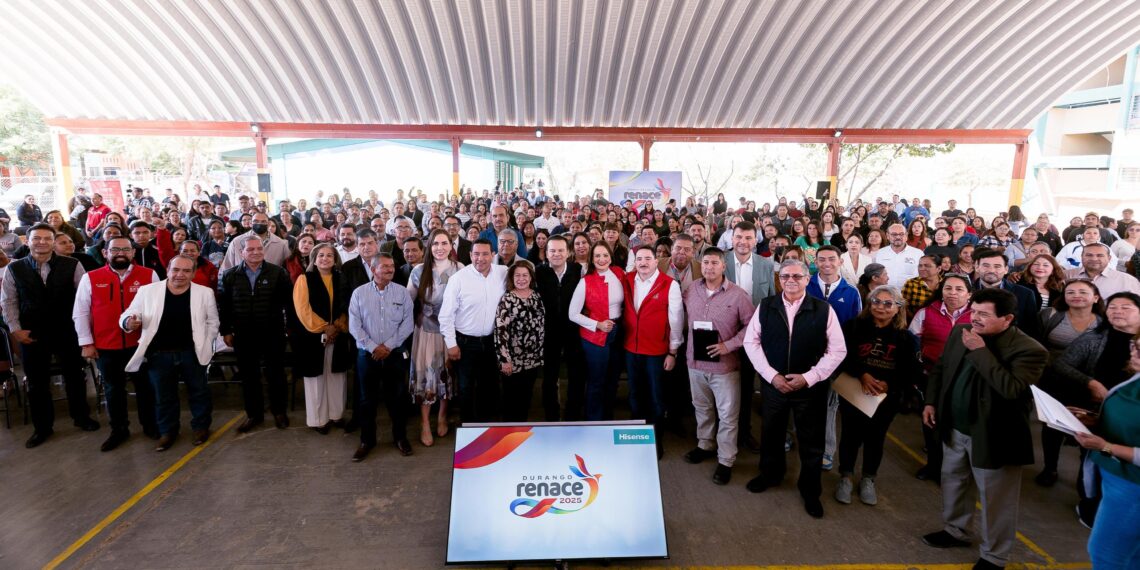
(37, 296)
(346, 242)
(413, 256)
(991, 268)
(276, 250)
(452, 225)
(100, 299)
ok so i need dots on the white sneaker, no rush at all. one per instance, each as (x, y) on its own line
(867, 492)
(843, 491)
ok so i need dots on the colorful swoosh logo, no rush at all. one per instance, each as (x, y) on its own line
(491, 446)
(539, 508)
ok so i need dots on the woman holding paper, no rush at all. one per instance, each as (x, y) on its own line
(883, 355)
(1078, 308)
(1115, 539)
(1096, 361)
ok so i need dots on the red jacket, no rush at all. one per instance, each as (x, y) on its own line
(935, 330)
(110, 296)
(597, 305)
(206, 275)
(647, 329)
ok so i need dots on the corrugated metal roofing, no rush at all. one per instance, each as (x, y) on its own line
(937, 64)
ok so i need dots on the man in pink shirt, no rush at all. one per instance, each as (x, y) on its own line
(796, 344)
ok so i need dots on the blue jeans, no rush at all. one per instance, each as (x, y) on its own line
(164, 368)
(603, 364)
(646, 386)
(1115, 539)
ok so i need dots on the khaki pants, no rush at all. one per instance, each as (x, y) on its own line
(998, 491)
(716, 396)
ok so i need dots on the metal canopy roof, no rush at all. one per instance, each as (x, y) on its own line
(877, 64)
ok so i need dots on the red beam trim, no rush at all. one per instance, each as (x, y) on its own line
(491, 132)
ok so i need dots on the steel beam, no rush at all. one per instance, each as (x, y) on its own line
(491, 132)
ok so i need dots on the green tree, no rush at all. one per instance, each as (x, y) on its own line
(24, 137)
(862, 165)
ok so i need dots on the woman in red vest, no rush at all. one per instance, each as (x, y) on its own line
(596, 308)
(932, 325)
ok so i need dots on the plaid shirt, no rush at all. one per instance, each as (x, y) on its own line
(916, 293)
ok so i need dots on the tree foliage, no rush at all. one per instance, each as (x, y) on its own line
(862, 165)
(24, 138)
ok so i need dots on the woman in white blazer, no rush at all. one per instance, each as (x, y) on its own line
(173, 356)
(854, 260)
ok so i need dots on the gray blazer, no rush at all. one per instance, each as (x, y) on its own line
(763, 275)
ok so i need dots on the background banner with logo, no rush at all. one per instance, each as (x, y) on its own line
(640, 186)
(559, 492)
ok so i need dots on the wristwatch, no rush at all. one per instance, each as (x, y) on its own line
(1107, 449)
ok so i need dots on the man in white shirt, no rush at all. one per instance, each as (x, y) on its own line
(546, 221)
(467, 322)
(654, 319)
(900, 259)
(346, 242)
(1096, 266)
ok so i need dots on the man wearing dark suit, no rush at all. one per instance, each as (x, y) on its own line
(357, 270)
(395, 247)
(756, 275)
(978, 399)
(991, 269)
(453, 227)
(556, 283)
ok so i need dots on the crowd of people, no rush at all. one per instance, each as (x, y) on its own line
(462, 303)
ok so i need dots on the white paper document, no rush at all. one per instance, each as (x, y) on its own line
(1055, 415)
(851, 389)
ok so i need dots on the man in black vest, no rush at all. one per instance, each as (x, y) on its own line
(37, 296)
(556, 284)
(796, 344)
(253, 298)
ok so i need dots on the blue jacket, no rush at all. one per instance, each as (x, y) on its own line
(844, 299)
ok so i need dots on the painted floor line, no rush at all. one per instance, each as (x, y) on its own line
(1032, 546)
(131, 502)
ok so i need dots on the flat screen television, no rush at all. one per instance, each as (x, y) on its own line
(555, 492)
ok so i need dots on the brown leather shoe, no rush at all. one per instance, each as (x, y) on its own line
(248, 425)
(201, 436)
(165, 442)
(361, 452)
(404, 447)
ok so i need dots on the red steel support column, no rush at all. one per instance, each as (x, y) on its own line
(264, 189)
(646, 144)
(61, 156)
(456, 143)
(1017, 182)
(833, 151)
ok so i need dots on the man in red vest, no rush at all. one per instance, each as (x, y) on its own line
(100, 300)
(654, 318)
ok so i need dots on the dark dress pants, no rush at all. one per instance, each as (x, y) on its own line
(747, 392)
(256, 352)
(164, 369)
(37, 367)
(808, 408)
(390, 378)
(478, 375)
(566, 344)
(518, 389)
(112, 365)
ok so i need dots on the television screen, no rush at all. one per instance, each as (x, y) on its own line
(555, 492)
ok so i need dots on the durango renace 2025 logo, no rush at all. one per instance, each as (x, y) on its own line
(538, 494)
(556, 490)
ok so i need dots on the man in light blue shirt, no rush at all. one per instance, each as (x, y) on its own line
(380, 319)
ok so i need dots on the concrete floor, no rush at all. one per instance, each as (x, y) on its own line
(292, 499)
